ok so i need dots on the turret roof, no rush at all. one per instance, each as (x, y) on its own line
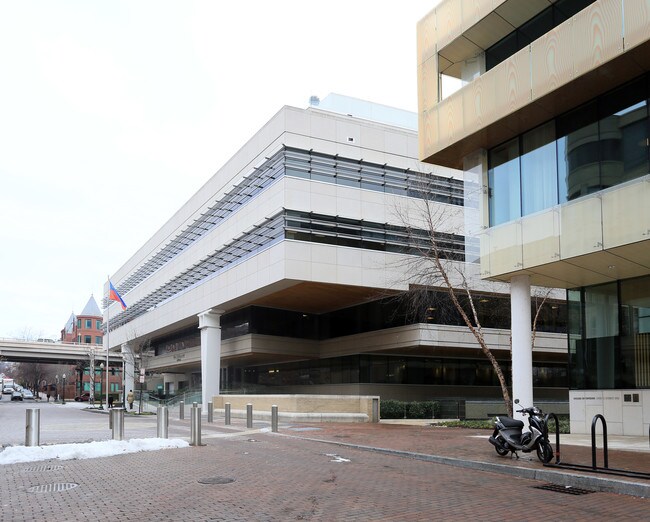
(91, 308)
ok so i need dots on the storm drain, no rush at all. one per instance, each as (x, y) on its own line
(51, 467)
(52, 488)
(569, 490)
(216, 480)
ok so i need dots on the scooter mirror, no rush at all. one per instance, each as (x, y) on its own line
(516, 401)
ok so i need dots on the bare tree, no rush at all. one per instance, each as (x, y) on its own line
(436, 234)
(30, 374)
(540, 301)
(432, 230)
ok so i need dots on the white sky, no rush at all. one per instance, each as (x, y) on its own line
(112, 114)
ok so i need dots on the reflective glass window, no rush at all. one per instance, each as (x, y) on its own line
(623, 129)
(504, 183)
(597, 350)
(578, 154)
(501, 50)
(536, 27)
(635, 335)
(538, 169)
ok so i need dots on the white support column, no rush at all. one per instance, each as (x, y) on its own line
(522, 349)
(127, 378)
(210, 326)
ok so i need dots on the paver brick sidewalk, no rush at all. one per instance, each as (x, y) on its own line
(465, 444)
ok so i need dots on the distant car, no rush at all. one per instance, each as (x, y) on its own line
(7, 390)
(28, 395)
(16, 396)
(84, 397)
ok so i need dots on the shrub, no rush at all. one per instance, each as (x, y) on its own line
(432, 409)
(391, 409)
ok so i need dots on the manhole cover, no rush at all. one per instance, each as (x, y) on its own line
(569, 490)
(53, 467)
(216, 480)
(252, 440)
(52, 488)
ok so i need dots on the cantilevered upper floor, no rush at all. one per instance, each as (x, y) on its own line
(552, 129)
(522, 63)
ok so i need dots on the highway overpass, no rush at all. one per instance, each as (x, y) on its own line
(16, 350)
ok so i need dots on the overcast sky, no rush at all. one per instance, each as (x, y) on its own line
(112, 114)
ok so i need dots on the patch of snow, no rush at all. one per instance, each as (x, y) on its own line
(89, 450)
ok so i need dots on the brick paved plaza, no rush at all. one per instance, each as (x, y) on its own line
(292, 476)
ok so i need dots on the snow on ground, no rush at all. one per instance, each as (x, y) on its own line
(89, 450)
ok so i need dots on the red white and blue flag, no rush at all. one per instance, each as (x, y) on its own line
(113, 295)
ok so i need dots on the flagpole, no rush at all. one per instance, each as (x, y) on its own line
(108, 318)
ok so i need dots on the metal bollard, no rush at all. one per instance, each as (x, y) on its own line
(162, 431)
(274, 418)
(32, 427)
(195, 426)
(375, 409)
(117, 415)
(249, 415)
(210, 412)
(227, 413)
(181, 410)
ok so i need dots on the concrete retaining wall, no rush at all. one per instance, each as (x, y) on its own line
(308, 408)
(488, 409)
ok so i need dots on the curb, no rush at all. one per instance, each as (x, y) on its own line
(608, 485)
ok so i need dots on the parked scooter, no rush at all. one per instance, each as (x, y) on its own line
(509, 437)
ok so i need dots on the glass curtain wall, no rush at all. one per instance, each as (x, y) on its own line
(609, 335)
(505, 183)
(386, 369)
(598, 145)
(538, 174)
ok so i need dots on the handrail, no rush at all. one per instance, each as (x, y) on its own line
(593, 468)
(593, 440)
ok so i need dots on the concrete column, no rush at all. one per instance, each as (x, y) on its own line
(128, 377)
(210, 326)
(522, 350)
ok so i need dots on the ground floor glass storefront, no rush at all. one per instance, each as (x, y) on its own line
(609, 335)
(387, 369)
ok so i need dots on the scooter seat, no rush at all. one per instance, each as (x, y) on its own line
(509, 422)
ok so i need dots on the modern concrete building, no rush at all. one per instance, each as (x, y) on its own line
(550, 127)
(279, 274)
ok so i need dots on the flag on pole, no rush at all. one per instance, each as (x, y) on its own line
(113, 295)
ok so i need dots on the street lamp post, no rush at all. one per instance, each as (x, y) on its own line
(63, 401)
(57, 388)
(101, 384)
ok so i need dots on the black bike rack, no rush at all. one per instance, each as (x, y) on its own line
(557, 434)
(593, 468)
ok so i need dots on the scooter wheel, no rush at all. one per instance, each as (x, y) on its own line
(502, 451)
(544, 451)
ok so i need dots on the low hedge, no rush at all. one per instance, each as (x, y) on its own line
(391, 409)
